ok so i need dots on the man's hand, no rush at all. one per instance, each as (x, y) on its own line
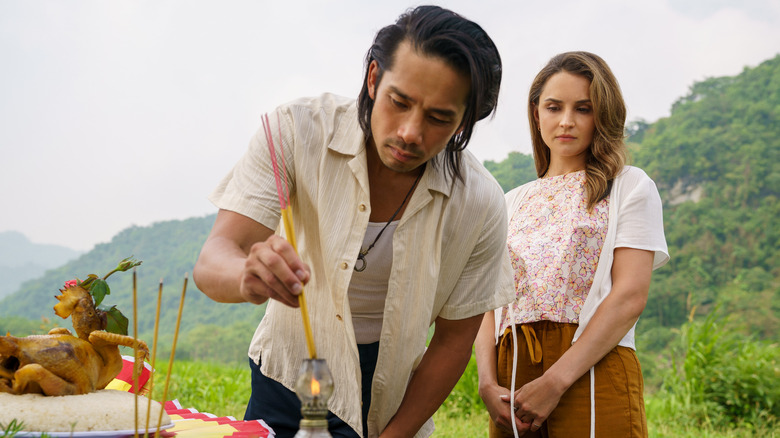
(273, 270)
(244, 261)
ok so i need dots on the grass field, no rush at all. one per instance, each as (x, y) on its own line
(223, 390)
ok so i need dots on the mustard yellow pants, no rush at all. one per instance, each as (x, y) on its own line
(618, 384)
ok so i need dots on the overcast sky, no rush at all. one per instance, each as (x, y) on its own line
(120, 113)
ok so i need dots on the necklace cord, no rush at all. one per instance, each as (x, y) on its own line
(362, 254)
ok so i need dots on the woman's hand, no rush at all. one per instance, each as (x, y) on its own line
(535, 400)
(497, 402)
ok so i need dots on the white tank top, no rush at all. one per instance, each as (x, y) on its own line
(368, 289)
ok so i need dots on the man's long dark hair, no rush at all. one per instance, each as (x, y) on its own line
(462, 44)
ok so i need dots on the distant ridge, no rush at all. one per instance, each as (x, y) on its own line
(22, 260)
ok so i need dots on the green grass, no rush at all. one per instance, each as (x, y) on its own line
(219, 389)
(12, 429)
(455, 423)
(224, 389)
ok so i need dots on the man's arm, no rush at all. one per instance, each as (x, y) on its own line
(442, 365)
(493, 395)
(244, 261)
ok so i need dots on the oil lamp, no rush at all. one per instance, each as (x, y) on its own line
(314, 387)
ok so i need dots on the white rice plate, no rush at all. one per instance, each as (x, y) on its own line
(104, 410)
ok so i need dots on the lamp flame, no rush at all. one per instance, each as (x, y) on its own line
(315, 387)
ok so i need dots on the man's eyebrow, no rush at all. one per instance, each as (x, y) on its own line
(440, 111)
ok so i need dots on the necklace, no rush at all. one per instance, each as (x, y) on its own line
(360, 264)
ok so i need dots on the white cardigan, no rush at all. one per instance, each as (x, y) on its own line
(635, 221)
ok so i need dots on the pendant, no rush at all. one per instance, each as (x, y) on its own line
(360, 264)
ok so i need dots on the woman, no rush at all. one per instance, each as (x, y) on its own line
(583, 239)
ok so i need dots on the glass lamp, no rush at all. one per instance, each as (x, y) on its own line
(314, 387)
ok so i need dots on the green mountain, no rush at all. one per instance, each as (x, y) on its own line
(715, 159)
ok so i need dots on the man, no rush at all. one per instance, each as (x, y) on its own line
(398, 226)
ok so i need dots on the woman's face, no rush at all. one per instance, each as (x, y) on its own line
(565, 118)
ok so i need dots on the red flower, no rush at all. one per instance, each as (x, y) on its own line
(71, 283)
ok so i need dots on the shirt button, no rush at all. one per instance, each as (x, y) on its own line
(362, 207)
(344, 265)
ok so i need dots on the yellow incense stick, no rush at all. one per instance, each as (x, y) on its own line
(284, 202)
(290, 231)
(173, 353)
(154, 356)
(135, 351)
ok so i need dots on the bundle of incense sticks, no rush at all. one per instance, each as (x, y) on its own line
(280, 175)
(137, 368)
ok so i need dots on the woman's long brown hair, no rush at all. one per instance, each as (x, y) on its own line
(606, 156)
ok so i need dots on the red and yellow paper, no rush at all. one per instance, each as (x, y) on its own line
(189, 423)
(124, 380)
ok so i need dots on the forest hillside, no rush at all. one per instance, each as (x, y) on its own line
(715, 160)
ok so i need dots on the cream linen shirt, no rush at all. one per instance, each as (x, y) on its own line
(448, 251)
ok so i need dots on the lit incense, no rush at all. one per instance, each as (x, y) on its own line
(284, 203)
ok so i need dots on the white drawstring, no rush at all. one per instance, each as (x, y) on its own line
(514, 376)
(514, 370)
(592, 402)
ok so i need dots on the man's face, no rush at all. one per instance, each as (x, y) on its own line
(418, 107)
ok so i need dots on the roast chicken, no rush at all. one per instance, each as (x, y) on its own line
(59, 363)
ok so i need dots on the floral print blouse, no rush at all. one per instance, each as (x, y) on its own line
(555, 245)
